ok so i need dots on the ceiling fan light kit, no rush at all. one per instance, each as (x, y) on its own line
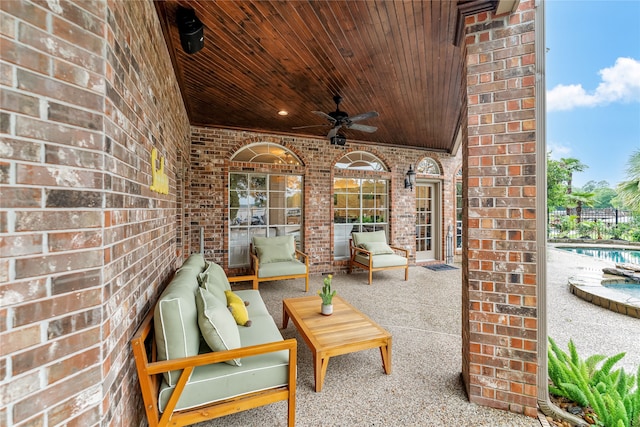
(338, 140)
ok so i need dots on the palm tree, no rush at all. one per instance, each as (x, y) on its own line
(580, 199)
(571, 165)
(629, 190)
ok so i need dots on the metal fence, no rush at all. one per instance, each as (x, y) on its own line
(606, 223)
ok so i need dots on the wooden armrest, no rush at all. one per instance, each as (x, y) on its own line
(245, 278)
(398, 248)
(302, 254)
(255, 262)
(219, 356)
(357, 249)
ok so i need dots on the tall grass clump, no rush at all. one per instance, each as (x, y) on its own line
(613, 395)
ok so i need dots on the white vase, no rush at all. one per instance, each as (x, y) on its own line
(327, 309)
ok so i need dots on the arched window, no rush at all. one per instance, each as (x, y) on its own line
(266, 152)
(263, 204)
(359, 203)
(361, 160)
(428, 166)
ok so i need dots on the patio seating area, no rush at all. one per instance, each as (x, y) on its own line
(423, 316)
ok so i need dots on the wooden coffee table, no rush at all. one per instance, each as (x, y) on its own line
(347, 330)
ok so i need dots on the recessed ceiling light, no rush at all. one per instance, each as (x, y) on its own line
(283, 113)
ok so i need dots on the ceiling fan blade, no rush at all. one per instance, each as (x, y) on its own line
(333, 132)
(363, 116)
(363, 128)
(325, 115)
(310, 126)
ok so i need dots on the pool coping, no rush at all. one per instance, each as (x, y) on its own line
(592, 288)
(594, 292)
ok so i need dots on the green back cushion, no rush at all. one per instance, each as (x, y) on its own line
(195, 262)
(369, 237)
(214, 279)
(275, 249)
(176, 320)
(217, 325)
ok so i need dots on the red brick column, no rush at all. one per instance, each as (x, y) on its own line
(500, 360)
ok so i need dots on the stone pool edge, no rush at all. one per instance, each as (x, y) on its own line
(592, 290)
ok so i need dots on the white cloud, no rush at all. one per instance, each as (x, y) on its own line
(620, 83)
(558, 151)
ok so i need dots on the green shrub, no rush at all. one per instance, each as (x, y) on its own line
(610, 394)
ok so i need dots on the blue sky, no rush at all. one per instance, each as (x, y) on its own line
(593, 84)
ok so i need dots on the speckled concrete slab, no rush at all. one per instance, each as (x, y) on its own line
(424, 317)
(424, 389)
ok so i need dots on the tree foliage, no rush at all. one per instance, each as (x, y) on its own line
(557, 177)
(603, 194)
(629, 190)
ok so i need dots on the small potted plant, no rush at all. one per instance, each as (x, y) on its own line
(327, 296)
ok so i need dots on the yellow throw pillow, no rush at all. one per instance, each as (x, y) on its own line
(238, 309)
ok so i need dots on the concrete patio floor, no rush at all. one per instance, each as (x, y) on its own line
(423, 315)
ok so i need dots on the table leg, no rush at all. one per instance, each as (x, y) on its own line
(320, 370)
(385, 352)
(285, 317)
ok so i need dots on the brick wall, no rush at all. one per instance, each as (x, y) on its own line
(87, 91)
(499, 258)
(210, 153)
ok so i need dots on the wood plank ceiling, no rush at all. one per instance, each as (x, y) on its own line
(399, 58)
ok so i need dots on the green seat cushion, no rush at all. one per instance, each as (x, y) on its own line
(256, 305)
(274, 249)
(221, 381)
(376, 248)
(217, 325)
(285, 268)
(382, 261)
(368, 237)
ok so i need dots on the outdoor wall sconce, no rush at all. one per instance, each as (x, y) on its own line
(410, 178)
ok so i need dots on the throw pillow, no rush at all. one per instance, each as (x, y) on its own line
(217, 325)
(272, 253)
(275, 249)
(208, 282)
(238, 308)
(377, 248)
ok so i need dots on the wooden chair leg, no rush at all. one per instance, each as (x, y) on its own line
(370, 276)
(406, 274)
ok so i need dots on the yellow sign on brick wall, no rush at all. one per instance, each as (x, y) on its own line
(159, 180)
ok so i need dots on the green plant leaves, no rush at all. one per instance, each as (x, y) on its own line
(610, 394)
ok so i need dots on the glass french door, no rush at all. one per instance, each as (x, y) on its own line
(427, 239)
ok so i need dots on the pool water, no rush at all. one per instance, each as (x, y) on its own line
(608, 254)
(627, 288)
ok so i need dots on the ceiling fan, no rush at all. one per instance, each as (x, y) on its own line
(338, 119)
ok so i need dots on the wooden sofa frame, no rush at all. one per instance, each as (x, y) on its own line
(255, 265)
(355, 250)
(150, 373)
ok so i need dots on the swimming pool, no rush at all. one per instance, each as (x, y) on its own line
(627, 288)
(616, 255)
